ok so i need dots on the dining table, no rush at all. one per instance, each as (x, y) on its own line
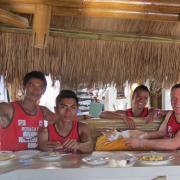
(114, 165)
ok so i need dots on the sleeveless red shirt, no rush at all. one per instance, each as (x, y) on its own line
(55, 136)
(172, 126)
(22, 132)
(144, 113)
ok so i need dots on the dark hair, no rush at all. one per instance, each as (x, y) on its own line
(140, 88)
(36, 75)
(175, 87)
(66, 94)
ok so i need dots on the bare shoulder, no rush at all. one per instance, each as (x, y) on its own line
(5, 105)
(83, 125)
(44, 109)
(48, 114)
(6, 108)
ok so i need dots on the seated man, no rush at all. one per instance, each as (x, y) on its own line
(140, 98)
(168, 135)
(66, 133)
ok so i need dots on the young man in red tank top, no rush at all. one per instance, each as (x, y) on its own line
(66, 133)
(20, 120)
(168, 135)
(139, 101)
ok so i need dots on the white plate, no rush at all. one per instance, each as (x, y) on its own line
(6, 157)
(50, 156)
(96, 160)
(166, 158)
(124, 160)
(27, 154)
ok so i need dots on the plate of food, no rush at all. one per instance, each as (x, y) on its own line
(50, 156)
(6, 157)
(154, 158)
(27, 154)
(96, 160)
(124, 160)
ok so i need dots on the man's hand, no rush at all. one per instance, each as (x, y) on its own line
(50, 146)
(130, 123)
(154, 114)
(71, 145)
(134, 142)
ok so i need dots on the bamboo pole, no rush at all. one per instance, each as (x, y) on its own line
(148, 6)
(98, 35)
(13, 19)
(41, 25)
(23, 1)
(19, 8)
(133, 5)
(114, 14)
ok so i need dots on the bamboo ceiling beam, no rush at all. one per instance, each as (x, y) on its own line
(19, 8)
(13, 19)
(134, 5)
(60, 11)
(23, 1)
(142, 6)
(56, 2)
(98, 35)
(41, 25)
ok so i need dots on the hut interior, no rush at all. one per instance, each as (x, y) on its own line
(91, 42)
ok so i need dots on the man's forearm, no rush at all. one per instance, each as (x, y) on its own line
(161, 144)
(153, 135)
(86, 147)
(111, 115)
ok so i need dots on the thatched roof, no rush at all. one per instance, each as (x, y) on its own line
(96, 50)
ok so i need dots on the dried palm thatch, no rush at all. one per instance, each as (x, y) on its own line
(90, 62)
(79, 61)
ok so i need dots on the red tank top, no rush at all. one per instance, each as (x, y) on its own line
(172, 126)
(144, 113)
(22, 132)
(55, 136)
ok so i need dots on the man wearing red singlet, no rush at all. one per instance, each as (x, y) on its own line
(66, 133)
(138, 108)
(20, 120)
(168, 135)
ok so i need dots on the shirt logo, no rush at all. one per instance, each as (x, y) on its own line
(21, 122)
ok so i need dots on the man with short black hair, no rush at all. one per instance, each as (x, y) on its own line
(20, 120)
(138, 108)
(67, 133)
(168, 135)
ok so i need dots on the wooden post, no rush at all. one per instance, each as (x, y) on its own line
(41, 25)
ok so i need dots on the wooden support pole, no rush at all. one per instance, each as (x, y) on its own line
(41, 25)
(9, 18)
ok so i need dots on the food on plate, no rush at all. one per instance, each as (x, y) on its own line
(53, 154)
(152, 157)
(6, 156)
